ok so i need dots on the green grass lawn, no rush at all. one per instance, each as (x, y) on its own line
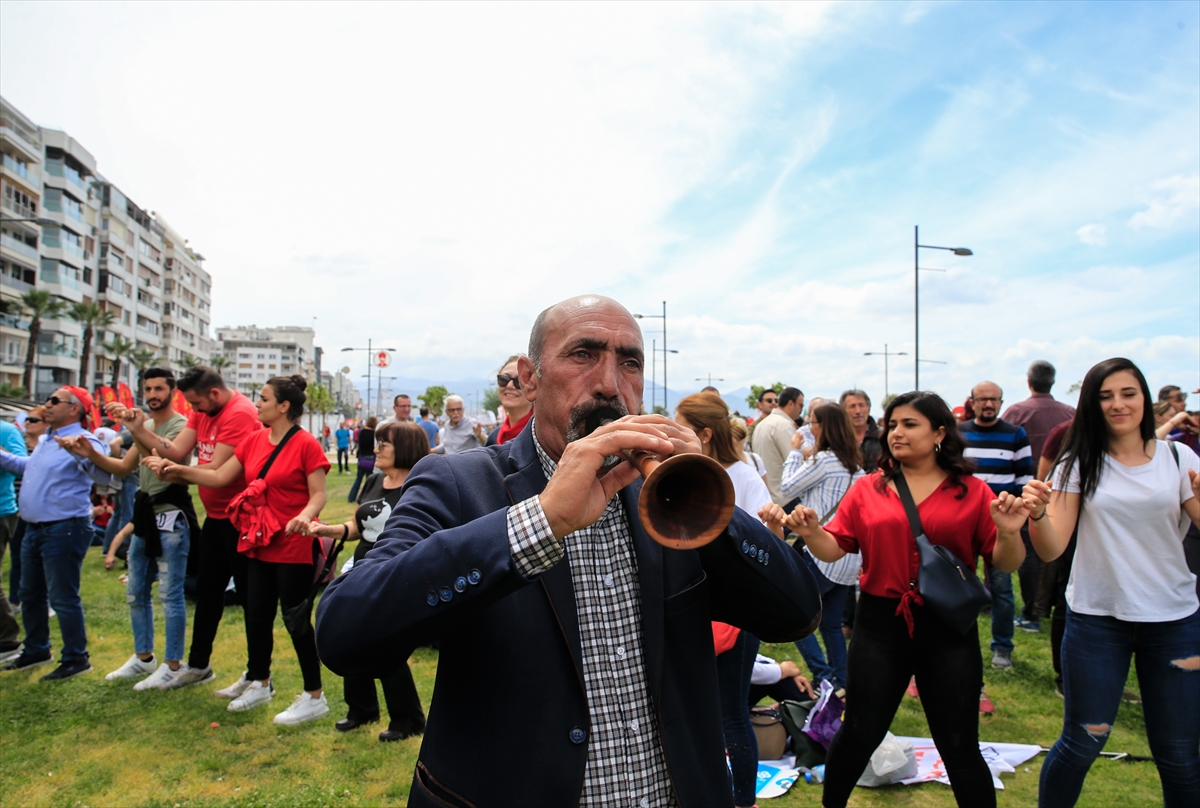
(91, 742)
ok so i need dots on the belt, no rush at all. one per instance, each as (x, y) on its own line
(40, 525)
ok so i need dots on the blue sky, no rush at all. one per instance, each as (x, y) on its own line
(431, 176)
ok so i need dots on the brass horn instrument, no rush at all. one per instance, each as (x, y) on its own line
(686, 501)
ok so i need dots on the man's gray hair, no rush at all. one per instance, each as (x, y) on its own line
(453, 397)
(1041, 376)
(859, 393)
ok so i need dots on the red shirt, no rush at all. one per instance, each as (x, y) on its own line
(287, 488)
(230, 426)
(875, 524)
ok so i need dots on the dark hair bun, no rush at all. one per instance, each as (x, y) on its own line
(299, 381)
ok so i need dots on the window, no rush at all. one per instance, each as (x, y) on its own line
(18, 201)
(260, 367)
(244, 365)
(87, 275)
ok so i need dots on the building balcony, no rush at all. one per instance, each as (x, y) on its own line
(14, 322)
(28, 149)
(22, 211)
(11, 244)
(16, 284)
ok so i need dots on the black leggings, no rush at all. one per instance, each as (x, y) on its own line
(270, 584)
(399, 691)
(219, 560)
(949, 671)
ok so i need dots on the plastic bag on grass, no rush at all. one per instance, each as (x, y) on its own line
(893, 761)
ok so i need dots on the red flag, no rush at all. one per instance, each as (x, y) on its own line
(94, 416)
(181, 404)
(105, 394)
(124, 395)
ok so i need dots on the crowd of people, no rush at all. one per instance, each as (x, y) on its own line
(521, 554)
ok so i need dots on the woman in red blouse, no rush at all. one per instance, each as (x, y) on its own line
(280, 570)
(895, 636)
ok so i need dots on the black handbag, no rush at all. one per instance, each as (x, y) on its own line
(950, 588)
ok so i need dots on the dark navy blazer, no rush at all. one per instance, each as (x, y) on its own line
(508, 723)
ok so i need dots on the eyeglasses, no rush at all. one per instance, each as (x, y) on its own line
(986, 400)
(770, 400)
(1180, 397)
(34, 420)
(454, 409)
(50, 402)
(502, 380)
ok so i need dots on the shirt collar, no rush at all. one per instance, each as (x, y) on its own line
(69, 429)
(548, 464)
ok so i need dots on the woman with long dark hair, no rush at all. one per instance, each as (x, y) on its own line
(1130, 593)
(279, 567)
(895, 635)
(398, 447)
(820, 482)
(707, 415)
(365, 452)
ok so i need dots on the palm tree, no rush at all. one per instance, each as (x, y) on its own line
(188, 361)
(119, 348)
(37, 303)
(219, 363)
(92, 317)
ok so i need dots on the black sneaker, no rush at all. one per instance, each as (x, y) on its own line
(66, 670)
(26, 661)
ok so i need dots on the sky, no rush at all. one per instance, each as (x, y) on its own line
(431, 176)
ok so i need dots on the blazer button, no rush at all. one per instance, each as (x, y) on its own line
(474, 577)
(753, 551)
(460, 584)
(766, 559)
(578, 735)
(445, 594)
(761, 554)
(745, 547)
(431, 598)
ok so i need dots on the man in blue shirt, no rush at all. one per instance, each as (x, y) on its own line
(343, 447)
(430, 426)
(12, 441)
(1004, 460)
(56, 504)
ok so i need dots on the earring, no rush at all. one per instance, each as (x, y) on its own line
(937, 447)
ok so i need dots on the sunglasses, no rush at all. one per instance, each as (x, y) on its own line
(770, 400)
(34, 420)
(56, 400)
(502, 380)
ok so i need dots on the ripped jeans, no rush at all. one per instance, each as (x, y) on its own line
(1095, 661)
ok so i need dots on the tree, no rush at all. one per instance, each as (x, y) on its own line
(188, 361)
(756, 390)
(9, 391)
(887, 402)
(219, 363)
(119, 348)
(491, 399)
(37, 303)
(319, 400)
(434, 398)
(92, 317)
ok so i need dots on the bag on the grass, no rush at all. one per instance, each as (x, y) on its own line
(892, 762)
(770, 732)
(808, 752)
(825, 718)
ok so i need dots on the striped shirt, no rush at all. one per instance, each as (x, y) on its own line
(1002, 455)
(820, 482)
(626, 765)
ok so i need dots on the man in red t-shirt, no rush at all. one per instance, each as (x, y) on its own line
(222, 418)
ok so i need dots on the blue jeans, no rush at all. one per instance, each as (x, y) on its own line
(833, 603)
(1095, 661)
(51, 560)
(122, 510)
(1004, 609)
(733, 688)
(170, 568)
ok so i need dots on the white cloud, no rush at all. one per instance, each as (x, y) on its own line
(1094, 235)
(1178, 200)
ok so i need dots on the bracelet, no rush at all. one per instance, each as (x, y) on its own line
(1039, 518)
(345, 532)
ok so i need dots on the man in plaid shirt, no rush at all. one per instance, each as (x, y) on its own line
(590, 682)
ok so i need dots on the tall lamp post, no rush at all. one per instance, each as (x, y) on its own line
(654, 352)
(710, 379)
(917, 247)
(662, 317)
(885, 353)
(370, 354)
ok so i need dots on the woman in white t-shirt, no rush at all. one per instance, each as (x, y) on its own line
(1130, 591)
(708, 416)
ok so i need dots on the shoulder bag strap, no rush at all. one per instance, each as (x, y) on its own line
(282, 442)
(829, 514)
(1174, 451)
(910, 507)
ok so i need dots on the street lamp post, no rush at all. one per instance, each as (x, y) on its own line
(370, 351)
(662, 317)
(885, 354)
(710, 379)
(917, 247)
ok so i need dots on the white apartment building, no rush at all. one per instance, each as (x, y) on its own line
(90, 243)
(256, 354)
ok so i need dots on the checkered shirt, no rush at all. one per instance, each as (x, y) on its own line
(626, 765)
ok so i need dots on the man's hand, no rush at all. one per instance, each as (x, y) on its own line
(76, 444)
(773, 517)
(576, 496)
(159, 465)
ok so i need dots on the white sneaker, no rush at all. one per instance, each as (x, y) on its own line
(162, 679)
(234, 690)
(304, 708)
(254, 694)
(132, 669)
(190, 676)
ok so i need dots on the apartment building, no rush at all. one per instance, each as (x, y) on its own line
(256, 354)
(90, 243)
